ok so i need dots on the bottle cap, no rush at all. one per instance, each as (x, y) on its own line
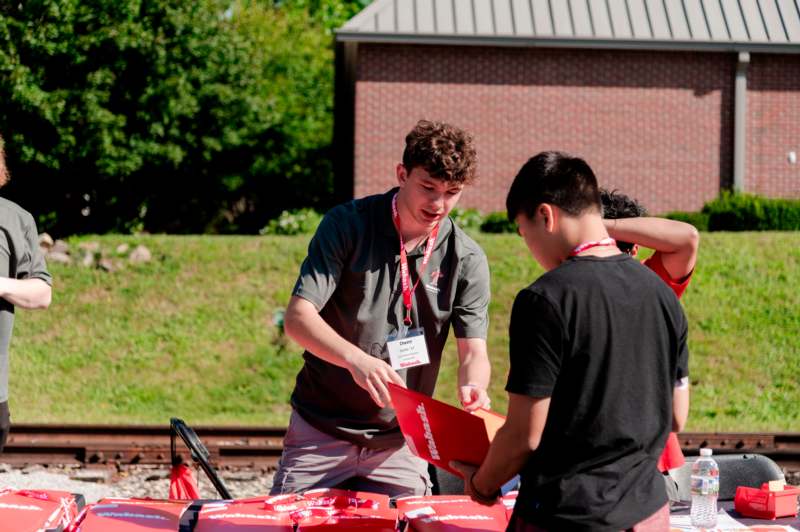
(705, 451)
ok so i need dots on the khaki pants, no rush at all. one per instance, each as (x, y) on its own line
(312, 459)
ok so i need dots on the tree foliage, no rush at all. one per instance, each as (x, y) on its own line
(167, 115)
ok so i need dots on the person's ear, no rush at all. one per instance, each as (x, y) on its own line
(402, 174)
(635, 250)
(548, 216)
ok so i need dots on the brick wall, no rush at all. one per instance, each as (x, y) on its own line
(773, 112)
(658, 126)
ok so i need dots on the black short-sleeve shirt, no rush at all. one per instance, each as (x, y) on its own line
(605, 339)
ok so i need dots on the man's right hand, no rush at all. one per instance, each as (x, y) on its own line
(372, 374)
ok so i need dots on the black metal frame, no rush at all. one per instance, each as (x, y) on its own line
(199, 453)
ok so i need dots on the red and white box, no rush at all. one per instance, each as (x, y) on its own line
(37, 510)
(130, 515)
(249, 514)
(765, 503)
(446, 513)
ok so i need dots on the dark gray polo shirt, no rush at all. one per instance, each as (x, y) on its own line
(20, 258)
(351, 275)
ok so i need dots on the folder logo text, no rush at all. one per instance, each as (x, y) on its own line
(426, 428)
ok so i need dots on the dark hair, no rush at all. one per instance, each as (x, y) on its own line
(556, 178)
(4, 177)
(617, 205)
(442, 150)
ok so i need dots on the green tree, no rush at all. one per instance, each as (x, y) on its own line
(167, 115)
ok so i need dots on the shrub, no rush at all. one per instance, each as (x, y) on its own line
(746, 212)
(296, 222)
(469, 219)
(497, 222)
(697, 219)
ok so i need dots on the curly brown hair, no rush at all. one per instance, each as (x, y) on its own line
(443, 150)
(4, 177)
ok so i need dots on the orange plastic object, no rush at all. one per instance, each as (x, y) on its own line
(765, 504)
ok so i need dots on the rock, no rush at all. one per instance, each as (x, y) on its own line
(91, 246)
(46, 241)
(140, 255)
(5, 468)
(59, 246)
(157, 475)
(107, 265)
(32, 469)
(88, 260)
(240, 476)
(92, 475)
(57, 256)
(122, 249)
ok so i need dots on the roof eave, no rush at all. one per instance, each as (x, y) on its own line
(560, 42)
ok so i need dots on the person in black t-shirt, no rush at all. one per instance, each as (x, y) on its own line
(596, 344)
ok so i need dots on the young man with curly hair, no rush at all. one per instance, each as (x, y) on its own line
(24, 281)
(384, 272)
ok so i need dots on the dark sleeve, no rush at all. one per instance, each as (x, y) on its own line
(327, 256)
(30, 261)
(682, 366)
(471, 304)
(536, 344)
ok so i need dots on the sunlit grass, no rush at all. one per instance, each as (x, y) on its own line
(191, 334)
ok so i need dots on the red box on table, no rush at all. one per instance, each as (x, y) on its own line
(765, 504)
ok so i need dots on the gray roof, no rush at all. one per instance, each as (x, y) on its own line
(723, 25)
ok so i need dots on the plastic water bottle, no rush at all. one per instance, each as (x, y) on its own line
(705, 489)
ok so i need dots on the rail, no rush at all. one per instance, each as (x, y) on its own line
(241, 447)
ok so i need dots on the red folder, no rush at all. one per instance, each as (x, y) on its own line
(439, 433)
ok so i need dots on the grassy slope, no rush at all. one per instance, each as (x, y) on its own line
(191, 334)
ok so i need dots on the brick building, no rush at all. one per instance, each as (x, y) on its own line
(670, 101)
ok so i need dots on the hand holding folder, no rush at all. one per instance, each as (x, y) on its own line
(441, 433)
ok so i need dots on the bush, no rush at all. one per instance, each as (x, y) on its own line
(697, 219)
(746, 212)
(497, 222)
(469, 219)
(296, 222)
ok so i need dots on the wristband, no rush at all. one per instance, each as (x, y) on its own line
(480, 497)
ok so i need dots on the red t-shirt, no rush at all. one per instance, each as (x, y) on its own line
(672, 456)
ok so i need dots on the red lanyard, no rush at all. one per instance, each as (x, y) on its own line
(405, 278)
(593, 244)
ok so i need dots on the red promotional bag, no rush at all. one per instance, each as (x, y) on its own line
(37, 510)
(130, 515)
(509, 500)
(230, 516)
(445, 513)
(338, 498)
(319, 519)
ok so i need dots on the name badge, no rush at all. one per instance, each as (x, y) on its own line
(408, 351)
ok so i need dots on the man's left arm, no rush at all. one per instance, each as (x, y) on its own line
(474, 372)
(470, 325)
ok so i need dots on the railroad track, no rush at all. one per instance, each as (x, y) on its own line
(241, 447)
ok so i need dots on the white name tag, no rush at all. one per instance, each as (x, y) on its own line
(408, 351)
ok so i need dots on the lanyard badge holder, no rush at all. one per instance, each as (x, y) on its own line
(407, 348)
